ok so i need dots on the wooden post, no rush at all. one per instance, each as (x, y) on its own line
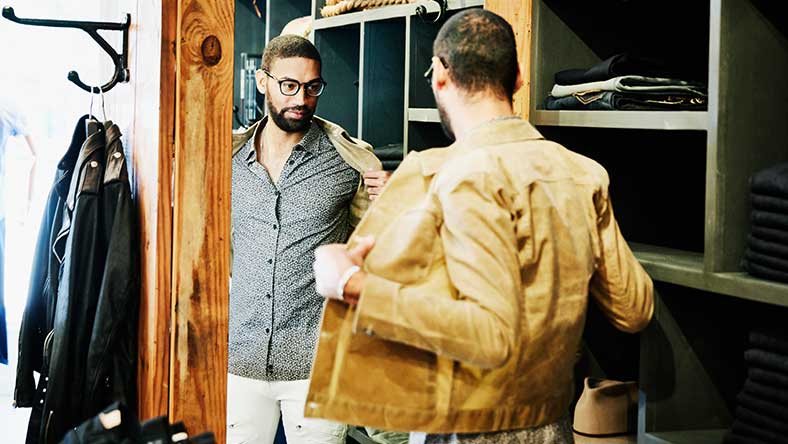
(201, 214)
(518, 14)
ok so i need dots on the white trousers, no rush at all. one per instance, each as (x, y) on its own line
(253, 409)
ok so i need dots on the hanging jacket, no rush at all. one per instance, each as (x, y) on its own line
(38, 316)
(80, 325)
(112, 353)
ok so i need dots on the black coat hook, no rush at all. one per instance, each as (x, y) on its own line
(421, 11)
(119, 60)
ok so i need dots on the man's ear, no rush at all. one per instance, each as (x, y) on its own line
(440, 74)
(260, 78)
(520, 81)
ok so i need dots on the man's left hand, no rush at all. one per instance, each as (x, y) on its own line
(375, 182)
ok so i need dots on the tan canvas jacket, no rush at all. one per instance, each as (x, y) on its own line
(486, 253)
(357, 153)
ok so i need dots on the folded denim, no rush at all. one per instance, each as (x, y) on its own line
(771, 409)
(768, 377)
(775, 362)
(610, 100)
(758, 420)
(770, 234)
(770, 219)
(766, 260)
(766, 392)
(744, 429)
(615, 66)
(764, 272)
(633, 84)
(769, 203)
(772, 341)
(770, 248)
(772, 181)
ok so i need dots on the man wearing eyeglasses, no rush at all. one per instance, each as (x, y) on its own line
(298, 182)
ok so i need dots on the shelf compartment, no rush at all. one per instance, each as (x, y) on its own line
(656, 120)
(713, 436)
(339, 48)
(383, 82)
(385, 12)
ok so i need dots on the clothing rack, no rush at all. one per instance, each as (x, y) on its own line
(119, 60)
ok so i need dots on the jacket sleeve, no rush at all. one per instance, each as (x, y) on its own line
(476, 318)
(620, 285)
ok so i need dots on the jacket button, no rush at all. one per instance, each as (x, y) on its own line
(93, 164)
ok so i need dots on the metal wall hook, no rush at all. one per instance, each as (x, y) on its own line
(120, 61)
(421, 11)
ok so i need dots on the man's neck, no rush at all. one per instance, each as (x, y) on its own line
(275, 140)
(472, 112)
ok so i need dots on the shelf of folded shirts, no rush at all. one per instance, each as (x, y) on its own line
(429, 115)
(388, 12)
(686, 268)
(656, 120)
(713, 436)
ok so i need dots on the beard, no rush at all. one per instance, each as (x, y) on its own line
(445, 121)
(287, 124)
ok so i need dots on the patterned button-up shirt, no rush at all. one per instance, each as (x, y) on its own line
(274, 308)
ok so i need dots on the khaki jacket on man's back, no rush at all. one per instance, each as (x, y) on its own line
(477, 289)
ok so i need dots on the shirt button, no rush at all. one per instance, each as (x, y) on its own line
(274, 226)
(267, 330)
(270, 261)
(276, 193)
(268, 295)
(270, 367)
(292, 162)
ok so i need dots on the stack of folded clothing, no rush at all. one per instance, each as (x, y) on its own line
(390, 155)
(762, 412)
(767, 249)
(623, 82)
(117, 424)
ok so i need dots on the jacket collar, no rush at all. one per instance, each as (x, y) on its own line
(497, 132)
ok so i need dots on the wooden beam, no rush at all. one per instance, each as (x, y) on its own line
(201, 214)
(518, 14)
(144, 110)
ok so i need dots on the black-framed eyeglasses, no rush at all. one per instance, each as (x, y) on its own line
(428, 72)
(290, 87)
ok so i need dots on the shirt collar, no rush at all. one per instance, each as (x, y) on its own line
(309, 143)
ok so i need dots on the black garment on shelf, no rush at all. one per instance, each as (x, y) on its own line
(770, 219)
(770, 409)
(766, 260)
(769, 248)
(764, 272)
(744, 429)
(393, 151)
(617, 65)
(769, 341)
(767, 360)
(770, 203)
(770, 234)
(92, 431)
(768, 377)
(772, 181)
(733, 438)
(765, 392)
(625, 101)
(758, 420)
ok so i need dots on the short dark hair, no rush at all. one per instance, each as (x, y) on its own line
(288, 46)
(480, 50)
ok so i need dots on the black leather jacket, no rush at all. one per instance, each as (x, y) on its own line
(90, 294)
